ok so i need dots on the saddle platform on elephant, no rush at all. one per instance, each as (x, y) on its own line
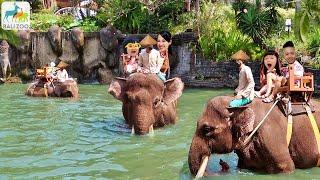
(297, 108)
(304, 84)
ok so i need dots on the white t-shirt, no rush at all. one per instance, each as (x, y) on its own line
(152, 61)
(62, 75)
(298, 70)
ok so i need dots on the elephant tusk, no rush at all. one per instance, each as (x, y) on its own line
(132, 130)
(151, 129)
(203, 167)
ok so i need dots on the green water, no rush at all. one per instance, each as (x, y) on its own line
(87, 139)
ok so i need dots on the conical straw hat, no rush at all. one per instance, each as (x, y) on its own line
(240, 55)
(62, 65)
(147, 41)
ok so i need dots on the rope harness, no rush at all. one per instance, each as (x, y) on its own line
(289, 127)
(315, 130)
(247, 140)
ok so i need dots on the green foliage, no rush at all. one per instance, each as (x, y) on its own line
(314, 43)
(316, 62)
(309, 15)
(256, 22)
(219, 36)
(132, 16)
(43, 20)
(36, 5)
(10, 36)
(274, 3)
(241, 5)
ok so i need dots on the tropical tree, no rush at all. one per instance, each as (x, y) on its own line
(256, 22)
(309, 14)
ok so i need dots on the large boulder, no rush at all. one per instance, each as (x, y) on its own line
(109, 38)
(105, 76)
(54, 34)
(77, 38)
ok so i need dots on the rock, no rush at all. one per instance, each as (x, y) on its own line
(54, 34)
(109, 38)
(42, 52)
(105, 76)
(13, 79)
(70, 53)
(112, 60)
(4, 47)
(24, 41)
(4, 58)
(26, 74)
(77, 38)
(93, 54)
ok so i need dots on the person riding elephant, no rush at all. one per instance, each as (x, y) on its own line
(68, 88)
(147, 101)
(221, 130)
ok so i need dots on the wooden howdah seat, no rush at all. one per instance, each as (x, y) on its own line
(44, 72)
(304, 84)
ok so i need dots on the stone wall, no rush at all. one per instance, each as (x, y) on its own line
(98, 57)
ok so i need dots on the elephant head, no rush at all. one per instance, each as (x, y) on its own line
(218, 130)
(67, 88)
(146, 100)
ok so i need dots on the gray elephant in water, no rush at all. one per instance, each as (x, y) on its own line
(4, 58)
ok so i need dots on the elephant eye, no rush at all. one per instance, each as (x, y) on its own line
(156, 102)
(207, 130)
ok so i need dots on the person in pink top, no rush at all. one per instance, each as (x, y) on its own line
(130, 56)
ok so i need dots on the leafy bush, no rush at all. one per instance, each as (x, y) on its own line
(314, 44)
(132, 16)
(308, 16)
(256, 22)
(219, 36)
(43, 20)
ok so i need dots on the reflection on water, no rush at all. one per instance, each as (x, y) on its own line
(62, 138)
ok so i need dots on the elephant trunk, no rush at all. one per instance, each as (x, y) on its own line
(142, 121)
(198, 152)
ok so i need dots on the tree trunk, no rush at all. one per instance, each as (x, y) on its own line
(298, 6)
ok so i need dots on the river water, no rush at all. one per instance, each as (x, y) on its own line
(87, 138)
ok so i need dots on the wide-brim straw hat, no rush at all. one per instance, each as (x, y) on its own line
(147, 41)
(240, 55)
(62, 64)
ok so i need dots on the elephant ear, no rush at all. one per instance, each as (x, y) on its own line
(116, 88)
(243, 120)
(173, 90)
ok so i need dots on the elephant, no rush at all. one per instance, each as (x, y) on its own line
(68, 88)
(222, 130)
(147, 101)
